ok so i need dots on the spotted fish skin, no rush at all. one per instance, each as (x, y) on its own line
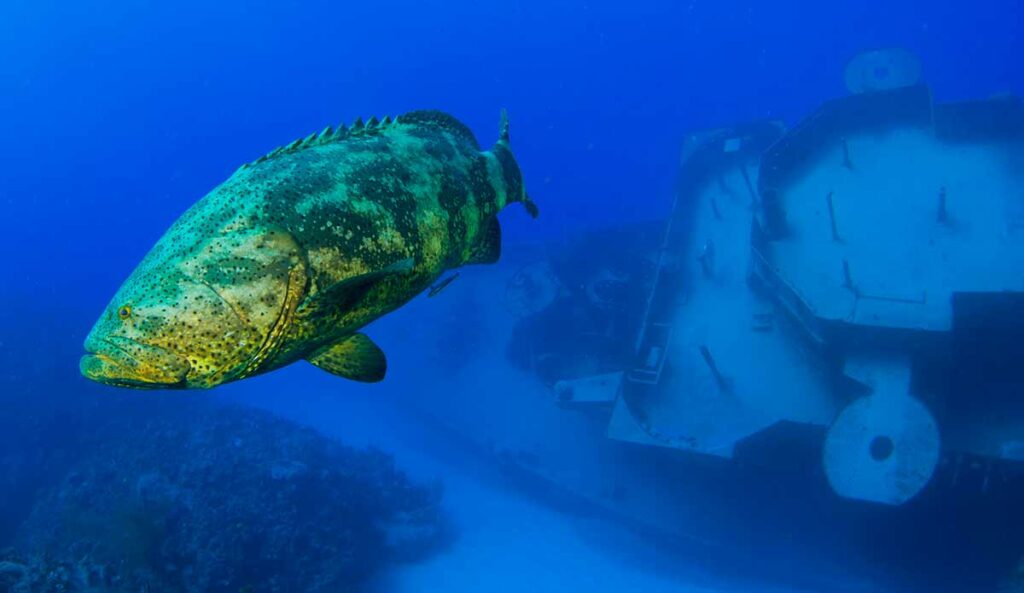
(295, 252)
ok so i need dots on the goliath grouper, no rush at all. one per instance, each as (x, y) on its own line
(297, 251)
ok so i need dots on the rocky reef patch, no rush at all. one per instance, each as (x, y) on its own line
(180, 494)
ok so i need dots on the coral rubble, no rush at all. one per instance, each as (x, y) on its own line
(182, 495)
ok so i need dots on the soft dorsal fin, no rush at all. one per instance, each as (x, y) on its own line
(439, 119)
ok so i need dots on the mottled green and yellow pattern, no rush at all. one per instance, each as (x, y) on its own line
(293, 254)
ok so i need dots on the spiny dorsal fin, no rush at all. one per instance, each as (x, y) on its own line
(370, 127)
(326, 135)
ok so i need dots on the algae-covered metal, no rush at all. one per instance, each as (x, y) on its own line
(294, 253)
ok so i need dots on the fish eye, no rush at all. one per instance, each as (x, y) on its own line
(124, 312)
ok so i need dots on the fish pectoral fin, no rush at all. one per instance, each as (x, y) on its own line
(344, 294)
(488, 249)
(355, 357)
(400, 266)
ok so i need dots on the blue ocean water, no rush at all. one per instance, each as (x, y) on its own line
(118, 115)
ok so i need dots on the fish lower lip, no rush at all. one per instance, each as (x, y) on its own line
(106, 369)
(97, 367)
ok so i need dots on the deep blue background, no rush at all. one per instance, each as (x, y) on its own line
(117, 115)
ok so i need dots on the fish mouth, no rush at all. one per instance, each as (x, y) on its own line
(122, 362)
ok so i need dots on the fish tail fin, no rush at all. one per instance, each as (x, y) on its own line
(503, 135)
(518, 193)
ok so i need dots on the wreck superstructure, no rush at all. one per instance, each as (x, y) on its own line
(811, 362)
(862, 272)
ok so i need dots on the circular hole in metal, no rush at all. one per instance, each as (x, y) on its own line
(881, 448)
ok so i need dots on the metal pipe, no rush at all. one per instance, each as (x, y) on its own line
(706, 258)
(719, 378)
(848, 279)
(942, 216)
(832, 218)
(750, 186)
